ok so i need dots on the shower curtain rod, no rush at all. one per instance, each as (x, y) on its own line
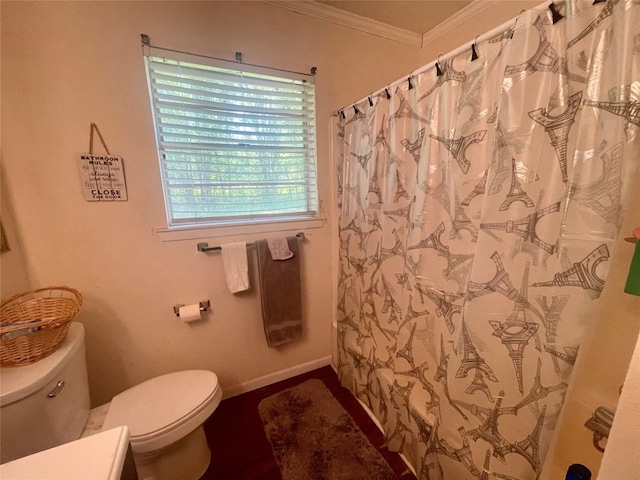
(428, 66)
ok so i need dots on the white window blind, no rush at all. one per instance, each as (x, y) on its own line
(234, 146)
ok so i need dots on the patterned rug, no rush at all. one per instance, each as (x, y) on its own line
(314, 438)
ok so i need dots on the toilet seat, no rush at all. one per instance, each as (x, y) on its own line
(164, 409)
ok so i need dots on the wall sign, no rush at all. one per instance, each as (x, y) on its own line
(102, 177)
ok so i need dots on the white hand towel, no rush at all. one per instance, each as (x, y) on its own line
(279, 248)
(234, 259)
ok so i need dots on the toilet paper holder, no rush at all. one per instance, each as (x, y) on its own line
(600, 424)
(204, 306)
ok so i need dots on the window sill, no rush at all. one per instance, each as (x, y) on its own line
(175, 234)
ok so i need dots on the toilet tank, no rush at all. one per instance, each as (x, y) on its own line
(45, 404)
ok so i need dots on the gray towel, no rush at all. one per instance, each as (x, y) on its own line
(280, 294)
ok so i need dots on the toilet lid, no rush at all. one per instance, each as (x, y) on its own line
(161, 402)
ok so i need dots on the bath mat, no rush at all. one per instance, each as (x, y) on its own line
(314, 438)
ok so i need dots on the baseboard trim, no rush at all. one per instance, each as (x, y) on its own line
(275, 377)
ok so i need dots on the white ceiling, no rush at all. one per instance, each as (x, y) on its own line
(417, 16)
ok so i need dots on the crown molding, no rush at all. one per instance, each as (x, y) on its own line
(461, 16)
(351, 20)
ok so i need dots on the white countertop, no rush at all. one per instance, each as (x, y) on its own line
(98, 457)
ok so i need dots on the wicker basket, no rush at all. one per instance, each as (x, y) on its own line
(33, 324)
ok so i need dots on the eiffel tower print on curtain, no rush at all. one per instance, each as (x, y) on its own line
(478, 211)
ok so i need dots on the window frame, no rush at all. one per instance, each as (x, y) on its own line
(229, 225)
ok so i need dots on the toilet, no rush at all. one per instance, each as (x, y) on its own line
(46, 404)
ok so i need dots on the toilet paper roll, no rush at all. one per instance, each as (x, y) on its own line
(190, 313)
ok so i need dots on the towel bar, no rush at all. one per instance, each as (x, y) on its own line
(204, 246)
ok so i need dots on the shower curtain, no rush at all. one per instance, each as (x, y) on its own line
(479, 203)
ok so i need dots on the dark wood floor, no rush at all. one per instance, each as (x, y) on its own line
(240, 450)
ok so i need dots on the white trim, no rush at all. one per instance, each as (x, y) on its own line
(335, 240)
(379, 425)
(275, 377)
(351, 20)
(461, 16)
(441, 58)
(174, 234)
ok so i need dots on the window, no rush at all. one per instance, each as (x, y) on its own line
(235, 146)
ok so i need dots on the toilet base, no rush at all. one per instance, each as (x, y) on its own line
(187, 459)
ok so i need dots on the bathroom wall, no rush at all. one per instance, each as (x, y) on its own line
(495, 14)
(14, 277)
(67, 64)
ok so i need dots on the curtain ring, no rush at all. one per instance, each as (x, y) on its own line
(438, 69)
(556, 16)
(515, 24)
(474, 49)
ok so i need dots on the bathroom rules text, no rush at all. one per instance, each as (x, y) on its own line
(102, 177)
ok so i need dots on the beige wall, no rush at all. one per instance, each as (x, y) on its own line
(67, 64)
(14, 276)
